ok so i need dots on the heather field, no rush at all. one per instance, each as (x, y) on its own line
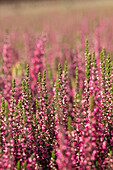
(56, 85)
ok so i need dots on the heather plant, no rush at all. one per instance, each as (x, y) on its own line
(65, 128)
(37, 62)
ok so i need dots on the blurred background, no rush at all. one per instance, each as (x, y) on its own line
(66, 23)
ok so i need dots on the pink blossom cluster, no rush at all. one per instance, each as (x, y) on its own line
(67, 127)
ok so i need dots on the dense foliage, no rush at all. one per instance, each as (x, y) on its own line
(56, 122)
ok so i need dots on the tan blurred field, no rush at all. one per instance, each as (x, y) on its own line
(24, 15)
